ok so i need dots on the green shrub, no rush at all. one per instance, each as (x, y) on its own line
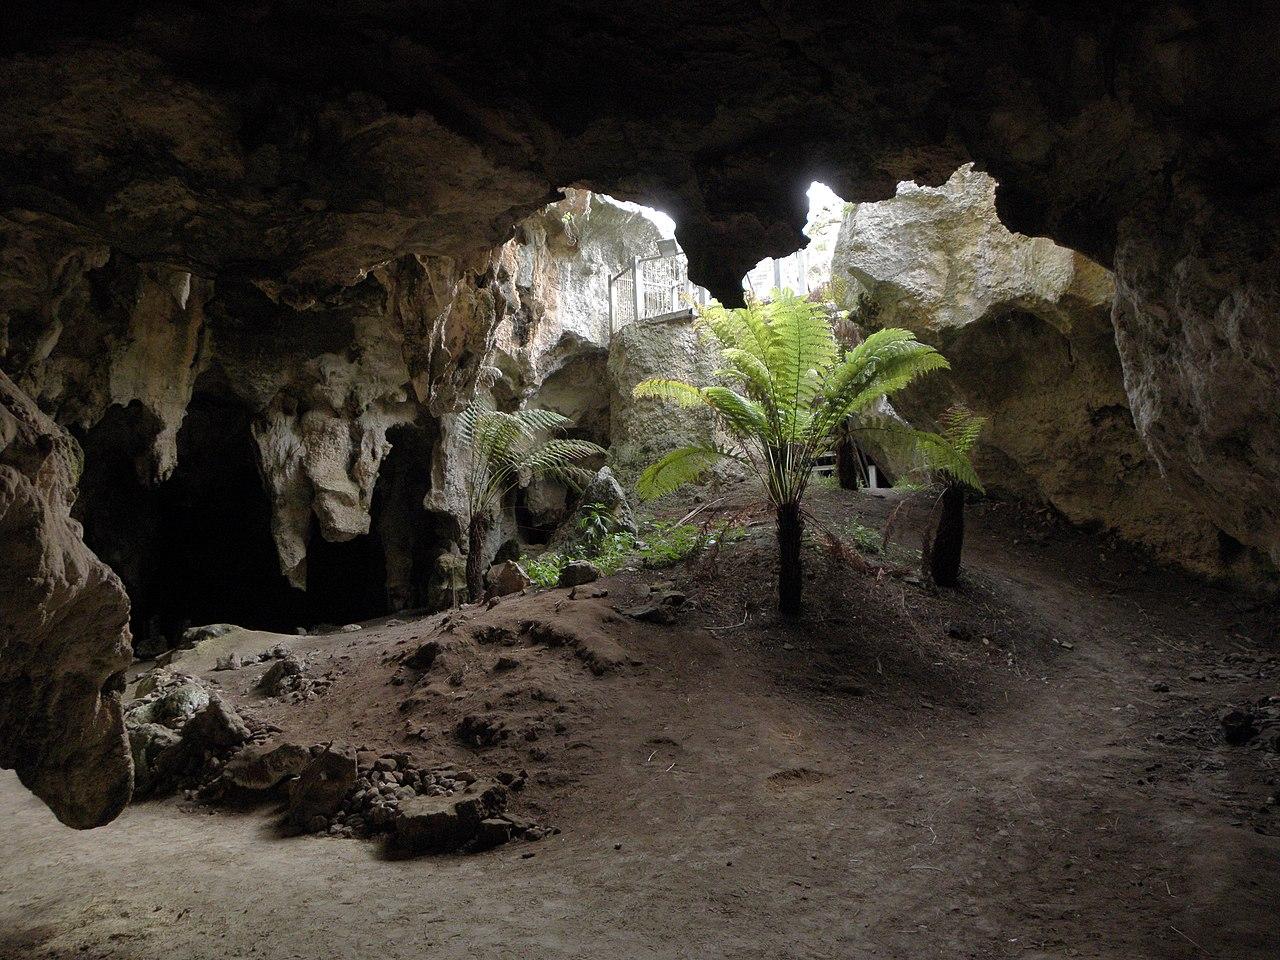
(664, 545)
(866, 539)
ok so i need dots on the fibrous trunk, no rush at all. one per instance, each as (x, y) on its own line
(476, 531)
(850, 470)
(948, 539)
(790, 574)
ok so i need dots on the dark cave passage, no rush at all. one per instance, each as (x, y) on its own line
(347, 580)
(197, 548)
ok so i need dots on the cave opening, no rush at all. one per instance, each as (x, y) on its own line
(347, 579)
(197, 547)
(413, 536)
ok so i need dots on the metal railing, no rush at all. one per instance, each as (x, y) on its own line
(650, 287)
(659, 284)
(781, 273)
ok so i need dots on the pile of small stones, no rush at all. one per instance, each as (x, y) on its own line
(235, 661)
(384, 783)
(287, 677)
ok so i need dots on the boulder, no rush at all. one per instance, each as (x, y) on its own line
(578, 572)
(604, 494)
(444, 824)
(320, 788)
(275, 680)
(178, 705)
(261, 766)
(210, 631)
(216, 727)
(506, 578)
(491, 833)
(147, 741)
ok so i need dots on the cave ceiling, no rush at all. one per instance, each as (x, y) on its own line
(303, 142)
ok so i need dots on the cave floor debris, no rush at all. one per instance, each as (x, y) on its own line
(1032, 766)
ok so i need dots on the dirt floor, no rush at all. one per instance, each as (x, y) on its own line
(1031, 766)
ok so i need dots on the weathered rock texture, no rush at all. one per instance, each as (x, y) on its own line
(205, 405)
(293, 149)
(1147, 140)
(644, 429)
(123, 352)
(64, 633)
(1027, 327)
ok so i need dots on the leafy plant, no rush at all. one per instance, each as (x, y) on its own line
(594, 523)
(508, 449)
(866, 539)
(786, 389)
(664, 545)
(940, 556)
(544, 570)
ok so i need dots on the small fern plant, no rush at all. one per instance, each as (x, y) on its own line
(506, 451)
(959, 429)
(784, 394)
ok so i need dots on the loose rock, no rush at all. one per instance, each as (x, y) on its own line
(276, 680)
(262, 766)
(507, 578)
(320, 788)
(442, 824)
(578, 572)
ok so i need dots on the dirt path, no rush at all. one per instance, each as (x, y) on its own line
(759, 791)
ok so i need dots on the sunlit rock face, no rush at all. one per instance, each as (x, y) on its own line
(1027, 327)
(64, 634)
(286, 153)
(1148, 142)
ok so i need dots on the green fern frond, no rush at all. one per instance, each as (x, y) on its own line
(680, 466)
(677, 391)
(749, 369)
(930, 451)
(961, 427)
(742, 416)
(558, 453)
(509, 448)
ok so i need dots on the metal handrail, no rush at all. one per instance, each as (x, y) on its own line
(647, 299)
(639, 294)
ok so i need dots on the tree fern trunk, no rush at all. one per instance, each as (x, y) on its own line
(948, 541)
(476, 531)
(849, 471)
(790, 573)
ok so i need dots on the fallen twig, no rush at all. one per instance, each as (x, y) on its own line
(732, 626)
(1189, 940)
(697, 510)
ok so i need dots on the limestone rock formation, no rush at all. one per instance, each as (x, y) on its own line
(645, 429)
(151, 145)
(1027, 327)
(1146, 141)
(64, 629)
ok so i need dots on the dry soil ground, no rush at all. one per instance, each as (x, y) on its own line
(1030, 767)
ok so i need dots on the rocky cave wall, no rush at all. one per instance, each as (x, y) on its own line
(95, 337)
(122, 354)
(1027, 326)
(298, 146)
(297, 149)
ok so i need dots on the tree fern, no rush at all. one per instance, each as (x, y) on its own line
(507, 450)
(786, 392)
